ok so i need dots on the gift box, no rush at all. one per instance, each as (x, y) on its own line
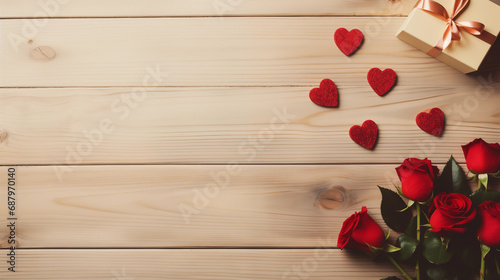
(457, 32)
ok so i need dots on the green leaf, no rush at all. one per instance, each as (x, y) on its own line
(483, 195)
(388, 248)
(391, 203)
(411, 230)
(452, 179)
(391, 278)
(388, 234)
(446, 242)
(400, 191)
(434, 250)
(483, 178)
(436, 272)
(410, 204)
(408, 246)
(374, 249)
(442, 272)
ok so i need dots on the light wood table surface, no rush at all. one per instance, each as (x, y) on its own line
(175, 139)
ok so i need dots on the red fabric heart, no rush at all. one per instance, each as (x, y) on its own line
(365, 135)
(381, 81)
(348, 41)
(432, 122)
(326, 95)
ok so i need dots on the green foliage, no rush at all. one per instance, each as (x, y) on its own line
(452, 179)
(483, 179)
(391, 203)
(408, 246)
(482, 195)
(435, 250)
(411, 230)
(454, 258)
(388, 248)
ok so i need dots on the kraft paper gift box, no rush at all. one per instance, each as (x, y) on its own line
(425, 29)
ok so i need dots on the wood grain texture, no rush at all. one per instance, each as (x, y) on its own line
(315, 264)
(136, 8)
(212, 52)
(94, 91)
(191, 206)
(244, 125)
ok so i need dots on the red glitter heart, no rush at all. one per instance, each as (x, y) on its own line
(365, 135)
(326, 95)
(348, 41)
(381, 81)
(432, 122)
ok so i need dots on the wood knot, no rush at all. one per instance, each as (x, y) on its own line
(332, 198)
(4, 135)
(42, 53)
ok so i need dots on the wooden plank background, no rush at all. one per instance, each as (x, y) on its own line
(219, 167)
(190, 8)
(248, 51)
(271, 206)
(198, 264)
(258, 206)
(244, 125)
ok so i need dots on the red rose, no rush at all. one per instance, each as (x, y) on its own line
(489, 231)
(451, 213)
(482, 157)
(360, 229)
(417, 178)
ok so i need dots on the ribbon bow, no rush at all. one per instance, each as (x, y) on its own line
(453, 28)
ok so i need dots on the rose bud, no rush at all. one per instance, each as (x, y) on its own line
(417, 178)
(359, 230)
(451, 213)
(489, 231)
(482, 157)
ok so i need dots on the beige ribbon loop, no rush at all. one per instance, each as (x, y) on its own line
(453, 28)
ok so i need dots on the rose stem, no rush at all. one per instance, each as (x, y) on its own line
(484, 251)
(483, 267)
(417, 265)
(497, 266)
(406, 276)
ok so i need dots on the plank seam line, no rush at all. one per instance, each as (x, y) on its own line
(215, 16)
(210, 164)
(180, 248)
(210, 86)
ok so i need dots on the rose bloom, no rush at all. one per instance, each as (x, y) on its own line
(489, 231)
(482, 157)
(417, 178)
(360, 229)
(451, 213)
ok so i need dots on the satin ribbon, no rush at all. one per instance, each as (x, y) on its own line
(453, 28)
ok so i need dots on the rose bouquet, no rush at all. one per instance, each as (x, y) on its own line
(446, 231)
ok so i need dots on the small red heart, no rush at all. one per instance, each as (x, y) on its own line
(381, 81)
(365, 135)
(348, 41)
(432, 122)
(326, 95)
